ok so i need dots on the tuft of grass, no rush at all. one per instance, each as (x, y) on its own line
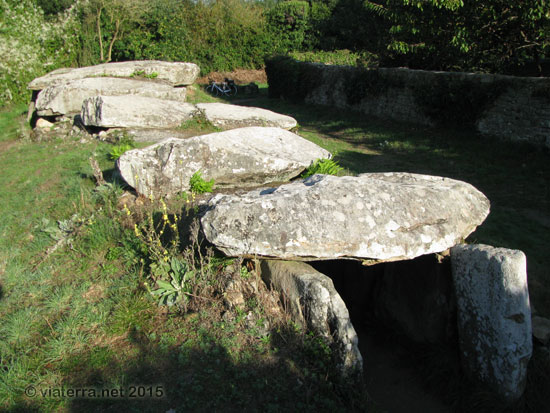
(323, 166)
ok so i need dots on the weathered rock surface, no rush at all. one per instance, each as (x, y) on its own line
(314, 302)
(239, 157)
(175, 73)
(494, 317)
(135, 112)
(227, 116)
(152, 135)
(380, 216)
(67, 98)
(43, 124)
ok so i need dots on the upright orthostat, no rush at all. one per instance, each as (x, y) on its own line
(494, 316)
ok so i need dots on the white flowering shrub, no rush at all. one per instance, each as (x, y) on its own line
(31, 45)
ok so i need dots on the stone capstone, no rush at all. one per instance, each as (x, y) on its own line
(67, 98)
(227, 116)
(174, 73)
(494, 317)
(239, 157)
(314, 303)
(377, 216)
(135, 112)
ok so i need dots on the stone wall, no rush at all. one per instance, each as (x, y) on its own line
(513, 108)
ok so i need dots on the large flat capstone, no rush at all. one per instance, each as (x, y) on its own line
(67, 98)
(379, 216)
(135, 112)
(174, 73)
(227, 116)
(494, 316)
(238, 157)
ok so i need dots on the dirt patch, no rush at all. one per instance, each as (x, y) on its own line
(6, 145)
(240, 76)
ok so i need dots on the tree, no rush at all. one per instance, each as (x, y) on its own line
(112, 20)
(493, 35)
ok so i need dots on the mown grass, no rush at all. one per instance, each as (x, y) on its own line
(79, 315)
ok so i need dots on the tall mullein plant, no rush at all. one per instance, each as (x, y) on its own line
(31, 45)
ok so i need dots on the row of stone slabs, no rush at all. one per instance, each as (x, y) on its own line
(376, 217)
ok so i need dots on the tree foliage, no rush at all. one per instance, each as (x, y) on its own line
(493, 35)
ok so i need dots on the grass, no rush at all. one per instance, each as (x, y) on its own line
(80, 315)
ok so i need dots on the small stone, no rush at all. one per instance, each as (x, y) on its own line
(42, 123)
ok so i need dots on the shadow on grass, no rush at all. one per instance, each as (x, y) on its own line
(198, 372)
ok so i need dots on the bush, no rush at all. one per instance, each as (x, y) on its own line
(337, 57)
(30, 46)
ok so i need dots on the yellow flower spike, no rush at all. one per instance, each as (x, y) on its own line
(136, 230)
(165, 217)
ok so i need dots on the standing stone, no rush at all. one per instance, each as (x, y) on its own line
(494, 316)
(314, 302)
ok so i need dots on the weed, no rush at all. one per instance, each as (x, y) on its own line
(118, 150)
(323, 166)
(198, 185)
(179, 286)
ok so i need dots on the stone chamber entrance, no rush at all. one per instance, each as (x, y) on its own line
(404, 313)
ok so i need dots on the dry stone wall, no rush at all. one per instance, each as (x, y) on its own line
(513, 108)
